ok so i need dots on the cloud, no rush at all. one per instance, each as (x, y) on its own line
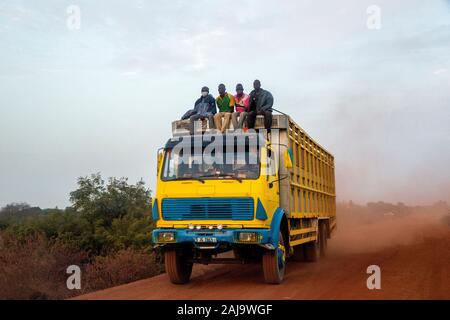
(439, 71)
(181, 51)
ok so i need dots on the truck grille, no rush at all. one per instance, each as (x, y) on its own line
(207, 208)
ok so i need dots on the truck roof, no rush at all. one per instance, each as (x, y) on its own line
(279, 121)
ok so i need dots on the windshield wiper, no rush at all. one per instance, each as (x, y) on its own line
(232, 176)
(190, 178)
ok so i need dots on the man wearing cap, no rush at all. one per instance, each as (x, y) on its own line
(205, 107)
(225, 104)
(261, 102)
(242, 104)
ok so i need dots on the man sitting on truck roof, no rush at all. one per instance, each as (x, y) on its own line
(242, 104)
(225, 104)
(261, 102)
(205, 107)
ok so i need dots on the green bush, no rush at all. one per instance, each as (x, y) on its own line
(107, 227)
(104, 217)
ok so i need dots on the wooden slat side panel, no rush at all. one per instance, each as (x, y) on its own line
(312, 182)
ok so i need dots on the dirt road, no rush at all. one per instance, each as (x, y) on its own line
(412, 252)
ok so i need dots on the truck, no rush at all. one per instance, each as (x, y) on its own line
(267, 198)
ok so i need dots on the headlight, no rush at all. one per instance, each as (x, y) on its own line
(249, 237)
(166, 237)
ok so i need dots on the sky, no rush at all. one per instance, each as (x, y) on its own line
(96, 92)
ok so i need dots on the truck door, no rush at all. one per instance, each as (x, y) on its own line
(272, 190)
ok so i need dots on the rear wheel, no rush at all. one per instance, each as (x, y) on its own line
(177, 267)
(323, 239)
(274, 263)
(312, 249)
(299, 253)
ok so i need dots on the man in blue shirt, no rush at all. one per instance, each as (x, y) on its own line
(205, 108)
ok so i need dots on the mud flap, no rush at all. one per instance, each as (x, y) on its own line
(275, 226)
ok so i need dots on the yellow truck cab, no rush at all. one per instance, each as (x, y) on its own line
(263, 197)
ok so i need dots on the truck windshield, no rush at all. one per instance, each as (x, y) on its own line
(203, 162)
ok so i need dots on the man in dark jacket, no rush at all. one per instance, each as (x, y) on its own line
(205, 107)
(261, 102)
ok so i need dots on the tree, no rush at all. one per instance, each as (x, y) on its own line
(106, 202)
(16, 213)
(13, 208)
(118, 214)
(104, 217)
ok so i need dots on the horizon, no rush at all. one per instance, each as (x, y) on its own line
(338, 202)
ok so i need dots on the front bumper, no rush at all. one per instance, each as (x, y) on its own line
(222, 237)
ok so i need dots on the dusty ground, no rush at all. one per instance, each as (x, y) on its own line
(412, 251)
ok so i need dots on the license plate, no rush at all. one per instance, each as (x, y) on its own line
(205, 239)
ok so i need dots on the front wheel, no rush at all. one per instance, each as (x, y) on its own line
(274, 263)
(177, 267)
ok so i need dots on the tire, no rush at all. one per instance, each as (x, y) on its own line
(177, 268)
(274, 263)
(299, 253)
(323, 239)
(312, 249)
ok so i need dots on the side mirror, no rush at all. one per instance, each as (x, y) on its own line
(159, 160)
(288, 158)
(271, 183)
